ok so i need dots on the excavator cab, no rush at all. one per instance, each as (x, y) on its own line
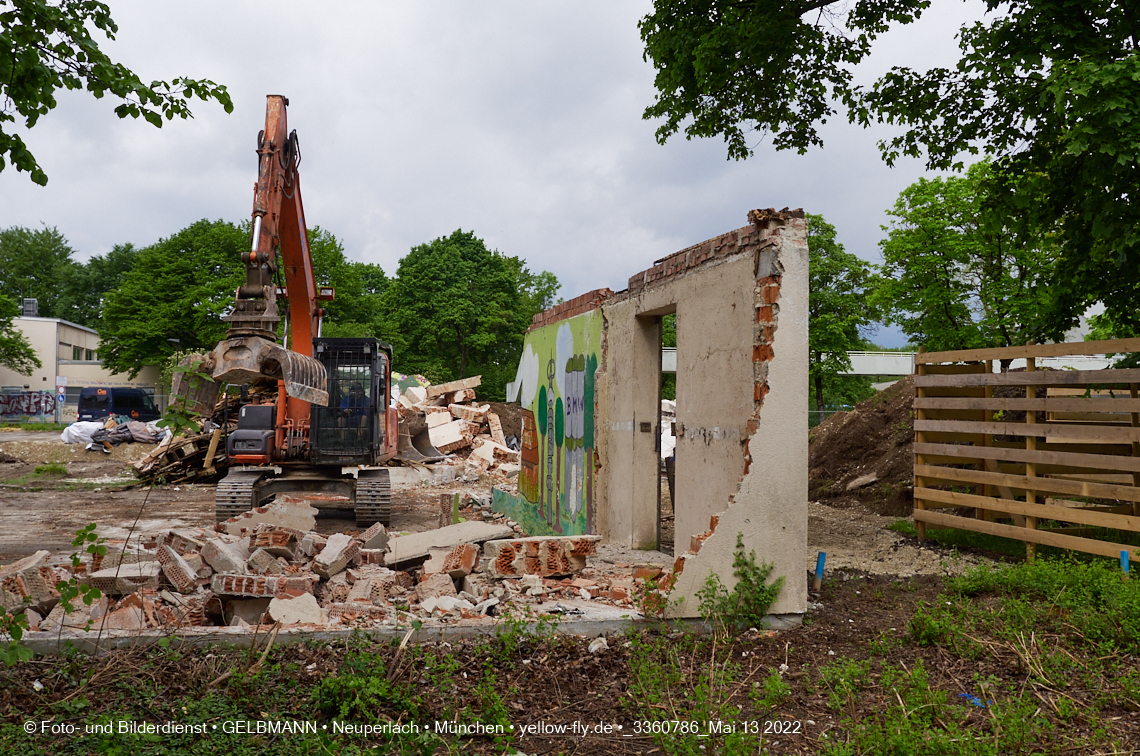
(350, 430)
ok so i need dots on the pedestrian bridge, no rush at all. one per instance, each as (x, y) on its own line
(902, 363)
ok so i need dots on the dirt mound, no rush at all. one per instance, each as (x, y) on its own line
(4, 457)
(865, 457)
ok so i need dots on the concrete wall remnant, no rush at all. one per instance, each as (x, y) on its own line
(741, 301)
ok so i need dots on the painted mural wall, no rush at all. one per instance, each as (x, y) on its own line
(556, 482)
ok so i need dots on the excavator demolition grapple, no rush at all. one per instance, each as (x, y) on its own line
(332, 425)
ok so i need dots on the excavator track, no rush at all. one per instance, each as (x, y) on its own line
(235, 493)
(373, 498)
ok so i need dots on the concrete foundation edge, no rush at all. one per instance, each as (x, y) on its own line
(48, 644)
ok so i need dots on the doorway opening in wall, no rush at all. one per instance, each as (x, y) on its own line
(666, 446)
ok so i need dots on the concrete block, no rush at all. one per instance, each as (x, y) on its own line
(376, 537)
(249, 611)
(436, 585)
(416, 546)
(470, 413)
(496, 426)
(223, 557)
(415, 394)
(296, 610)
(459, 385)
(459, 397)
(348, 613)
(445, 605)
(201, 569)
(336, 555)
(126, 578)
(183, 541)
(540, 555)
(127, 618)
(370, 590)
(177, 571)
(436, 419)
(262, 586)
(29, 582)
(447, 438)
(293, 512)
(459, 561)
(261, 562)
(278, 542)
(312, 543)
(370, 556)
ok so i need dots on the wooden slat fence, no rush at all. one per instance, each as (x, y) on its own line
(1042, 456)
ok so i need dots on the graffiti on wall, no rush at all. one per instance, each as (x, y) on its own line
(27, 403)
(557, 396)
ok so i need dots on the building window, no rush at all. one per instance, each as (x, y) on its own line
(90, 355)
(76, 353)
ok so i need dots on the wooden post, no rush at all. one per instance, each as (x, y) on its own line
(988, 489)
(919, 459)
(1132, 390)
(208, 463)
(1030, 467)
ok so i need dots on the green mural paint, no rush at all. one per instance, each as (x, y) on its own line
(559, 437)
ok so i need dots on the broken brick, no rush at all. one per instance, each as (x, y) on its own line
(435, 586)
(539, 555)
(261, 562)
(177, 571)
(336, 555)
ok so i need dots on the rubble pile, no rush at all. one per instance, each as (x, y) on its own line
(459, 428)
(458, 425)
(270, 566)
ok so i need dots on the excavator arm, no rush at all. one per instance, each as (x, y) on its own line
(250, 349)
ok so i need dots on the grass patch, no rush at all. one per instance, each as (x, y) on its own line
(34, 426)
(51, 469)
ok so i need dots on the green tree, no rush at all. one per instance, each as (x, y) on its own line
(954, 275)
(46, 46)
(83, 288)
(359, 287)
(16, 352)
(840, 309)
(456, 308)
(1048, 88)
(34, 265)
(173, 297)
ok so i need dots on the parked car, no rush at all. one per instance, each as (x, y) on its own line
(97, 403)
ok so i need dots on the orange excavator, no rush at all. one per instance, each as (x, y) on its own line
(332, 424)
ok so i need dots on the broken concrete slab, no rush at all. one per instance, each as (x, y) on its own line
(337, 553)
(296, 610)
(127, 618)
(417, 546)
(436, 419)
(861, 481)
(177, 571)
(376, 537)
(261, 562)
(249, 611)
(223, 557)
(470, 413)
(183, 541)
(496, 426)
(446, 388)
(538, 555)
(295, 512)
(312, 543)
(278, 541)
(459, 561)
(126, 578)
(445, 604)
(436, 585)
(262, 586)
(451, 436)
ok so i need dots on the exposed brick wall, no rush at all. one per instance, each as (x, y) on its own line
(577, 306)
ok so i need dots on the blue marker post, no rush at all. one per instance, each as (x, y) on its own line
(1124, 563)
(819, 562)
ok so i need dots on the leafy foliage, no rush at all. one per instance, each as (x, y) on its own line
(1048, 88)
(173, 296)
(748, 602)
(34, 263)
(456, 308)
(16, 352)
(955, 276)
(840, 310)
(45, 47)
(82, 290)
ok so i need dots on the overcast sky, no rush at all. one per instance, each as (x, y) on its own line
(520, 121)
